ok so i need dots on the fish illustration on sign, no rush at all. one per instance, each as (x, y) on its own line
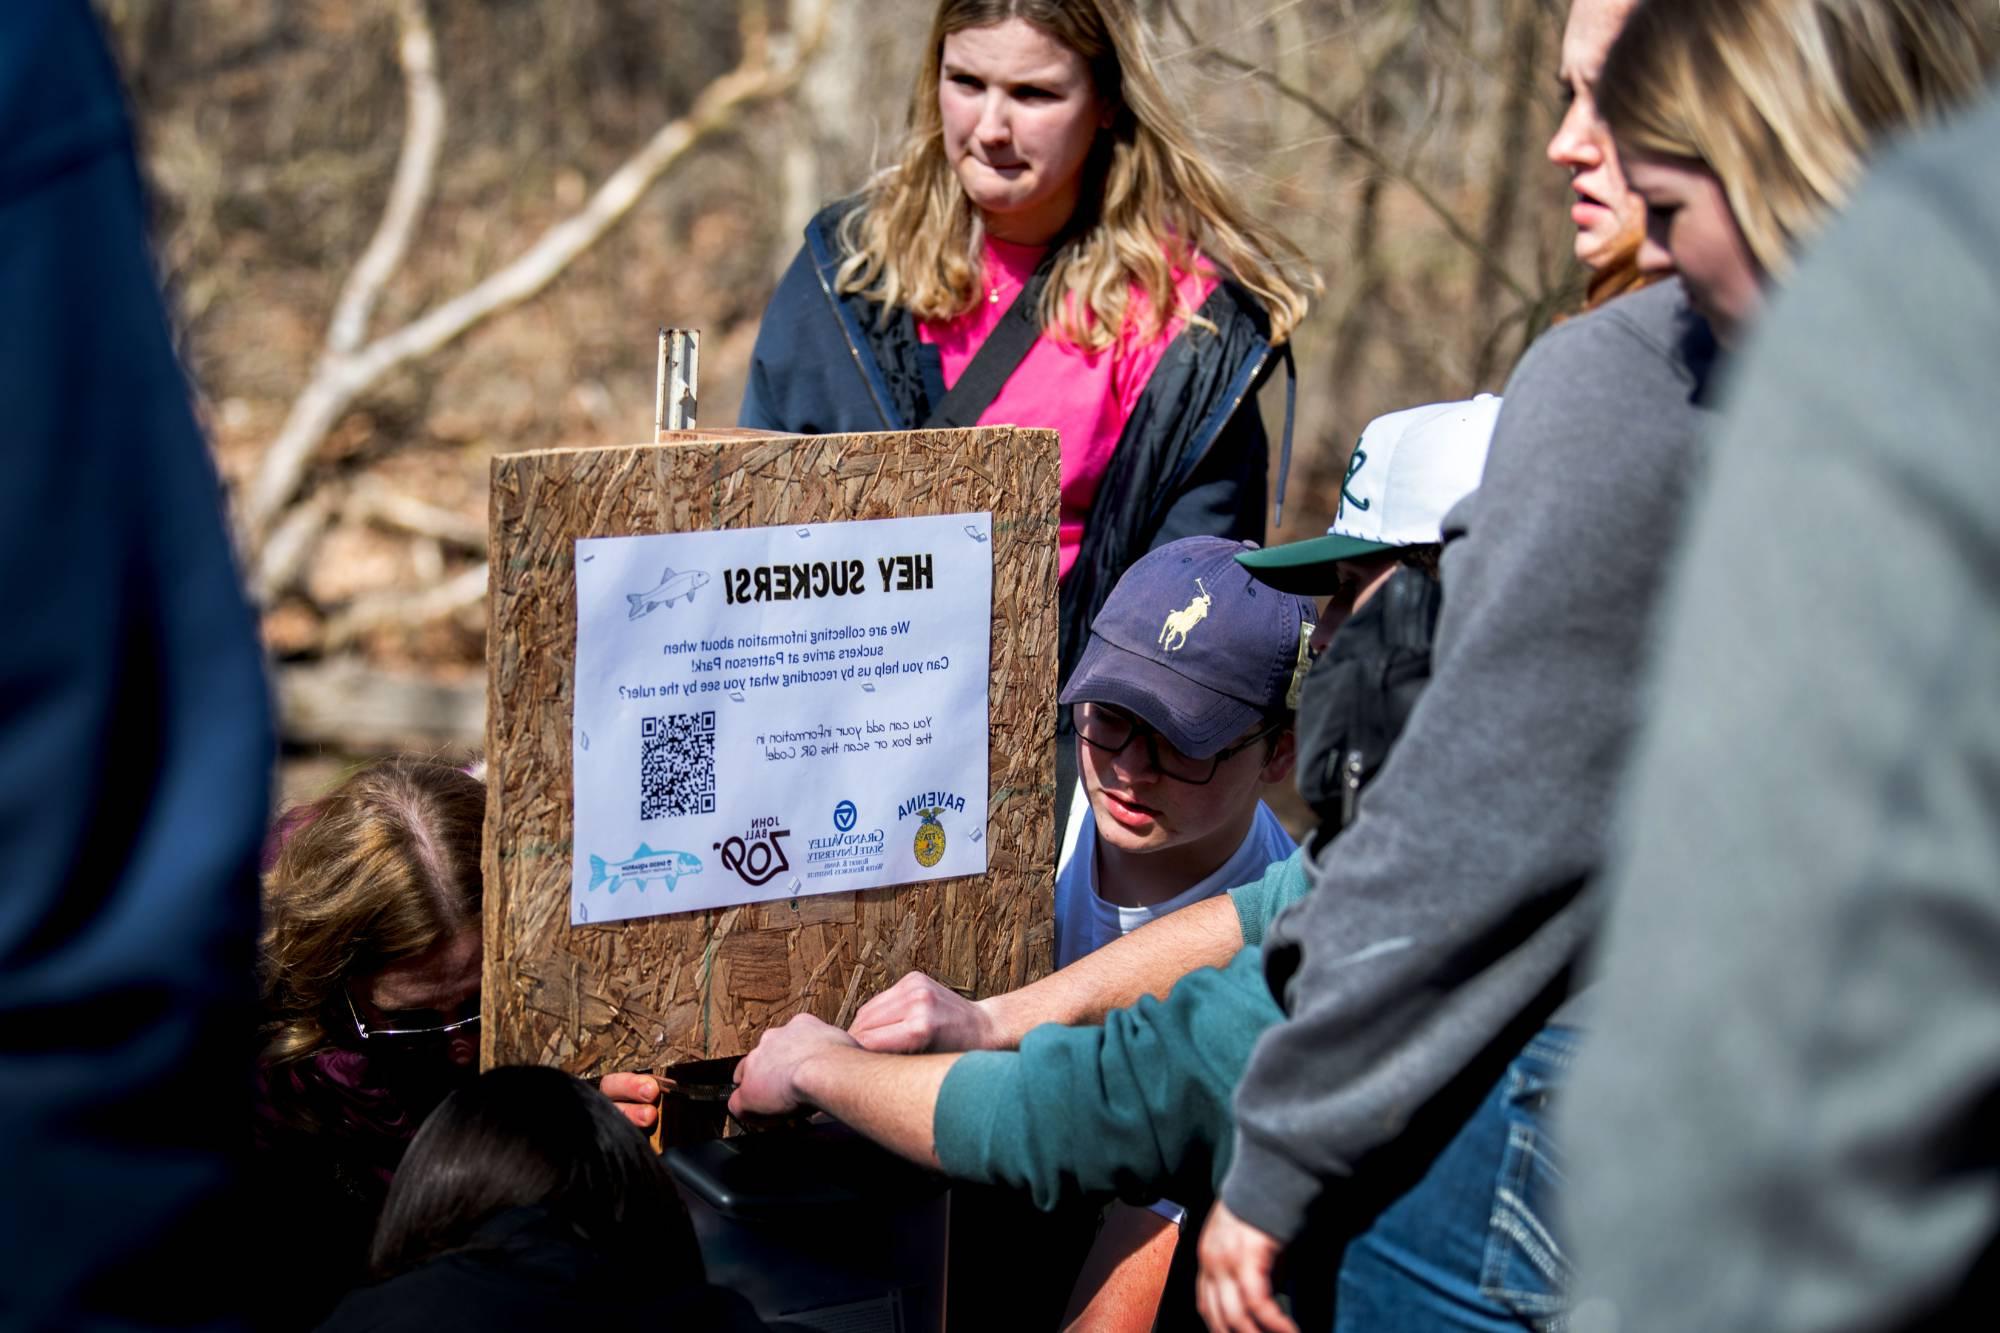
(672, 587)
(645, 864)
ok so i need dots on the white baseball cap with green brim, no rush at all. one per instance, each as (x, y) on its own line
(1406, 473)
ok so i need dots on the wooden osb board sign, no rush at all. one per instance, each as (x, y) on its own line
(649, 993)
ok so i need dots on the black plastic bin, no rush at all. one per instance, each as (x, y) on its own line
(819, 1228)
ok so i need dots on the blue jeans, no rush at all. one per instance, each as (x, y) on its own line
(1470, 1245)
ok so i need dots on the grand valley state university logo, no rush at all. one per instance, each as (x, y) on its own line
(848, 850)
(929, 843)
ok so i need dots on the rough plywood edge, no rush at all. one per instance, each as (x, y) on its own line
(624, 995)
(702, 436)
(494, 976)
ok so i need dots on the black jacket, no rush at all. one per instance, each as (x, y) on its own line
(527, 1269)
(1362, 693)
(1191, 459)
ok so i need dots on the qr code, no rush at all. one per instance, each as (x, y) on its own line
(677, 765)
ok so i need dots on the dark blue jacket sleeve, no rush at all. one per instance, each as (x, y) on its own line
(1226, 495)
(134, 739)
(806, 377)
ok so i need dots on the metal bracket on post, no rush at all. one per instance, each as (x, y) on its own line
(674, 388)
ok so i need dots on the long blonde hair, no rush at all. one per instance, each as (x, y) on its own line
(1782, 99)
(1150, 203)
(383, 869)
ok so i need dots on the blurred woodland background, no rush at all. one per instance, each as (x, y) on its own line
(401, 236)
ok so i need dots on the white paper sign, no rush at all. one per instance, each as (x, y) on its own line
(771, 712)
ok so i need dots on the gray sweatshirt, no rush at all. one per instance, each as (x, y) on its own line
(1785, 1120)
(1455, 904)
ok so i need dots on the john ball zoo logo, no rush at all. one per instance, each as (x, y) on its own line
(759, 856)
(927, 806)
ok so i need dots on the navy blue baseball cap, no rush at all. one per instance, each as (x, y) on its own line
(1193, 646)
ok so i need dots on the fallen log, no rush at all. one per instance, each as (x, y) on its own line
(345, 703)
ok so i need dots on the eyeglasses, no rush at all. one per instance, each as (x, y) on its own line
(367, 1033)
(1110, 730)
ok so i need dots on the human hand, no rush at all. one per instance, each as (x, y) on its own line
(1233, 1292)
(767, 1078)
(636, 1096)
(918, 1014)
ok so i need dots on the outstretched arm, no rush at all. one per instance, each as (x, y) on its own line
(918, 1014)
(1138, 1105)
(811, 1063)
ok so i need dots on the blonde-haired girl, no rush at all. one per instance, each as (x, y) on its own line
(1744, 123)
(1044, 157)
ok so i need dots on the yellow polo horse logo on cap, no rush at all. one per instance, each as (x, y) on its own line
(1174, 633)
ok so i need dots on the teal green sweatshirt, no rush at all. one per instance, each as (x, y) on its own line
(1137, 1106)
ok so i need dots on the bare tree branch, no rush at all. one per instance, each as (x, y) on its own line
(416, 608)
(342, 702)
(1504, 200)
(416, 172)
(372, 502)
(341, 377)
(291, 544)
(1367, 151)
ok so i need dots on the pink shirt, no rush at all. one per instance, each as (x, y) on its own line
(1085, 397)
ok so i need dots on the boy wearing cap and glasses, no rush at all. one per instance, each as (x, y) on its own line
(1182, 703)
(1117, 1090)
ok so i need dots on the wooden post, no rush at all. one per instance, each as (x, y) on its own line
(660, 392)
(683, 371)
(674, 385)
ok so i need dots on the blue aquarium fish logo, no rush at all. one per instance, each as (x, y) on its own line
(645, 864)
(672, 586)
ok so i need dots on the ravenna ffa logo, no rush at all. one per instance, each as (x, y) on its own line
(930, 838)
(927, 806)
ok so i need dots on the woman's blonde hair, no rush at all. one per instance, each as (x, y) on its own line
(383, 869)
(1150, 200)
(1782, 100)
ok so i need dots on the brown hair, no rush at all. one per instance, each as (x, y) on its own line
(1150, 203)
(1783, 99)
(1619, 273)
(384, 868)
(1423, 557)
